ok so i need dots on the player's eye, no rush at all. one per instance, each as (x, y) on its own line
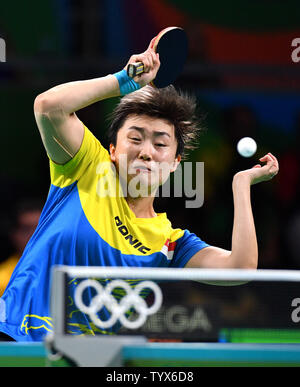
(135, 139)
(161, 145)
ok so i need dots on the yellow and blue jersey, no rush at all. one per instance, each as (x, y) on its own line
(84, 223)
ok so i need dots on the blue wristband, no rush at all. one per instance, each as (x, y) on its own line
(127, 85)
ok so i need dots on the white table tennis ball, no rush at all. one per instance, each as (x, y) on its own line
(246, 147)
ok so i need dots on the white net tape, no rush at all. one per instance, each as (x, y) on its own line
(183, 274)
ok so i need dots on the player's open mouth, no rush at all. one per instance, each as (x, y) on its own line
(142, 168)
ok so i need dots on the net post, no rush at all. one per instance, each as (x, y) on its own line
(58, 300)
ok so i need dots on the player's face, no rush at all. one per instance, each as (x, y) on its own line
(145, 150)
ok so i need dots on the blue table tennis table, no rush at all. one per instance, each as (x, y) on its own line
(167, 355)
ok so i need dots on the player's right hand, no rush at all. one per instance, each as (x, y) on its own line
(151, 63)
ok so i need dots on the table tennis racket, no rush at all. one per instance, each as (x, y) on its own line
(172, 45)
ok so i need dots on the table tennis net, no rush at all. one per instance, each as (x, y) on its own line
(177, 306)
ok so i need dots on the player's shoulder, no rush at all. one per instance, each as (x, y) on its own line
(93, 145)
(176, 234)
(90, 153)
(183, 236)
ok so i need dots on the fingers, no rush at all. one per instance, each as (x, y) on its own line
(275, 167)
(272, 165)
(151, 65)
(153, 58)
(275, 160)
(269, 157)
(149, 59)
(266, 158)
(152, 43)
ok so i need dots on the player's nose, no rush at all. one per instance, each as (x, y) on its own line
(145, 156)
(146, 152)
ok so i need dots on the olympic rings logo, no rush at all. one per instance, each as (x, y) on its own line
(104, 298)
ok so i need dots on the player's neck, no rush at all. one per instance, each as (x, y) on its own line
(142, 207)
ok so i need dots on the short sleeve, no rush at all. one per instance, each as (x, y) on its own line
(89, 151)
(186, 247)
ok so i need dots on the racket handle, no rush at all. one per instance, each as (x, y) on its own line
(134, 69)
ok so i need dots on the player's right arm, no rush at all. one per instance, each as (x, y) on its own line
(55, 113)
(55, 110)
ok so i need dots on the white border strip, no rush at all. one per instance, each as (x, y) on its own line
(2, 310)
(182, 274)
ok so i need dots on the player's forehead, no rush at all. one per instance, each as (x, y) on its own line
(149, 126)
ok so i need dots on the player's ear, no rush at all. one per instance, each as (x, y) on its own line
(112, 151)
(176, 163)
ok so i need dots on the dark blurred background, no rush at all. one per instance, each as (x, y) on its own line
(240, 67)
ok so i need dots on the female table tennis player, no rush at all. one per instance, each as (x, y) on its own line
(82, 226)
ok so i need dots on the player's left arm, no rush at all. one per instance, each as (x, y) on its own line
(244, 250)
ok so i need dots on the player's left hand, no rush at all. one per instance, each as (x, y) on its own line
(261, 173)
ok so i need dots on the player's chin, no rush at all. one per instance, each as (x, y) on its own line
(147, 180)
(142, 185)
